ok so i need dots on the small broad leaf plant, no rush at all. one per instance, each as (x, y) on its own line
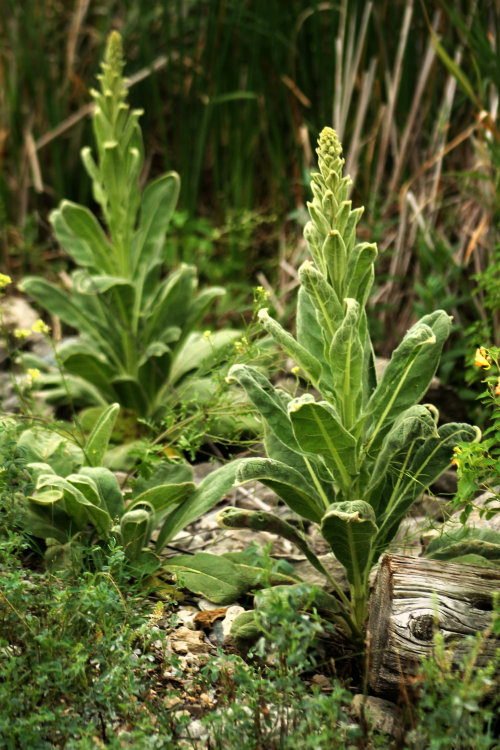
(77, 502)
(353, 457)
(137, 341)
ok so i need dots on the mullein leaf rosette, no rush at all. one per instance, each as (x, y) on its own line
(137, 340)
(354, 459)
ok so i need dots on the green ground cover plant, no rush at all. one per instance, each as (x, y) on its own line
(65, 497)
(137, 341)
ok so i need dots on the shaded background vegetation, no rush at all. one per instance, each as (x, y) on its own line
(235, 93)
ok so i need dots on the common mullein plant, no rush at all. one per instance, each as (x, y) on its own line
(137, 342)
(354, 453)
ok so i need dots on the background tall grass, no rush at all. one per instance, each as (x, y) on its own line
(234, 95)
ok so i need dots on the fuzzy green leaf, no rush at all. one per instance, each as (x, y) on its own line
(288, 484)
(408, 374)
(300, 354)
(98, 440)
(349, 528)
(158, 203)
(319, 431)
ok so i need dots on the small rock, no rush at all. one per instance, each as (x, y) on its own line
(322, 681)
(186, 615)
(206, 606)
(186, 641)
(195, 730)
(382, 714)
(231, 615)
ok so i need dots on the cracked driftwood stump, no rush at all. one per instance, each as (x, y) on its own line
(414, 597)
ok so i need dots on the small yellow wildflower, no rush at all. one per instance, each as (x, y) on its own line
(295, 370)
(5, 280)
(34, 373)
(482, 359)
(39, 326)
(22, 333)
(207, 334)
(456, 457)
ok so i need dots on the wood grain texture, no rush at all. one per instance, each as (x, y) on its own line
(414, 597)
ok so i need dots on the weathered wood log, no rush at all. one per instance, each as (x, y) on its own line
(412, 599)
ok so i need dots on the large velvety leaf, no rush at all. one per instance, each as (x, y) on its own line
(109, 490)
(45, 519)
(260, 520)
(359, 277)
(171, 303)
(349, 528)
(300, 596)
(289, 484)
(319, 431)
(131, 394)
(208, 493)
(135, 529)
(61, 304)
(465, 540)
(419, 470)
(346, 361)
(322, 295)
(199, 352)
(269, 401)
(82, 237)
(312, 468)
(158, 203)
(409, 372)
(416, 423)
(310, 335)
(334, 253)
(46, 446)
(91, 367)
(211, 576)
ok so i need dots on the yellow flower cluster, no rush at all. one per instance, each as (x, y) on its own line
(5, 280)
(38, 327)
(482, 358)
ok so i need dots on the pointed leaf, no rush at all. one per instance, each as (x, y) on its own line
(98, 440)
(82, 236)
(409, 372)
(208, 493)
(288, 484)
(324, 298)
(269, 401)
(416, 423)
(158, 203)
(346, 361)
(131, 394)
(300, 354)
(135, 529)
(360, 273)
(163, 496)
(465, 540)
(421, 468)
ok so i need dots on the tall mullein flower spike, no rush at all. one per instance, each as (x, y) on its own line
(331, 233)
(115, 174)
